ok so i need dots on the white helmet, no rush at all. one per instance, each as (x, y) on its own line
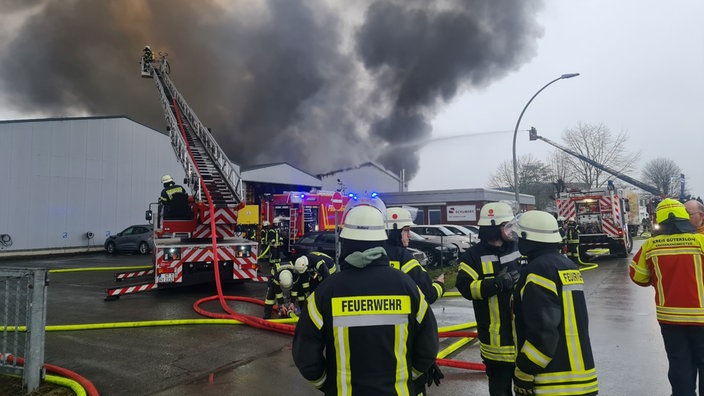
(285, 279)
(397, 218)
(495, 213)
(146, 47)
(166, 179)
(537, 226)
(364, 223)
(301, 264)
(265, 223)
(277, 220)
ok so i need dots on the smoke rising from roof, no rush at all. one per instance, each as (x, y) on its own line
(320, 84)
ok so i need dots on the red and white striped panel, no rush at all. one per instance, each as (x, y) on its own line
(118, 291)
(566, 208)
(222, 231)
(221, 216)
(609, 224)
(133, 274)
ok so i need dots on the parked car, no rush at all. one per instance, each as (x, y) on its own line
(445, 254)
(471, 234)
(135, 238)
(314, 241)
(441, 234)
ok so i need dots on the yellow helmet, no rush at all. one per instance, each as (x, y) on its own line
(670, 209)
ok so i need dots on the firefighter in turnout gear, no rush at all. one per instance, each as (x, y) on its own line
(554, 354)
(398, 227)
(312, 269)
(276, 242)
(279, 289)
(571, 239)
(673, 263)
(486, 276)
(173, 200)
(368, 330)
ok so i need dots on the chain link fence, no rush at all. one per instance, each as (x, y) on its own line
(22, 323)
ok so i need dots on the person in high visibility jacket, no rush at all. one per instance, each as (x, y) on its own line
(280, 285)
(276, 242)
(487, 273)
(367, 330)
(571, 238)
(398, 228)
(673, 263)
(312, 269)
(551, 323)
(173, 199)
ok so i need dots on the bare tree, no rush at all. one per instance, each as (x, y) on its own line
(599, 144)
(664, 174)
(559, 166)
(534, 177)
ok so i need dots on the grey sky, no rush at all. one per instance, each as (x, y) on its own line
(641, 66)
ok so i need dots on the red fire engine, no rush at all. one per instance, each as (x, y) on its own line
(296, 213)
(186, 248)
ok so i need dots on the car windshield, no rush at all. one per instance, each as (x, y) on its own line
(416, 237)
(445, 231)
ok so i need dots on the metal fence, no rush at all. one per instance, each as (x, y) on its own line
(22, 323)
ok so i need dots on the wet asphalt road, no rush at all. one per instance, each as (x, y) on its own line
(237, 359)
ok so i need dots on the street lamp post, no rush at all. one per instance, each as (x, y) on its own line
(515, 132)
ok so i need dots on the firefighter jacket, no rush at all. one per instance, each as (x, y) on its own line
(167, 194)
(674, 266)
(492, 308)
(401, 258)
(366, 331)
(551, 326)
(273, 237)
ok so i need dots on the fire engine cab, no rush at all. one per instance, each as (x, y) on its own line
(602, 220)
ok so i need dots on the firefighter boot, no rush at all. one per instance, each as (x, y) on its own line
(268, 311)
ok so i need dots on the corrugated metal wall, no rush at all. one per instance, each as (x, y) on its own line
(62, 178)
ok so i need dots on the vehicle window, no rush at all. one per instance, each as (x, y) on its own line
(128, 231)
(328, 238)
(433, 231)
(308, 239)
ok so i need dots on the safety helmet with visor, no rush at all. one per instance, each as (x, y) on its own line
(670, 209)
(301, 264)
(535, 225)
(364, 220)
(285, 279)
(166, 179)
(495, 213)
(397, 218)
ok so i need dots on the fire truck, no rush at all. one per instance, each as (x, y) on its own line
(296, 213)
(187, 249)
(602, 216)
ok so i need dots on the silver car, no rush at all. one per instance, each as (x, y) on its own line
(441, 234)
(136, 238)
(470, 233)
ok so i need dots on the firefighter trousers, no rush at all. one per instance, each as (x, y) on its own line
(500, 376)
(684, 346)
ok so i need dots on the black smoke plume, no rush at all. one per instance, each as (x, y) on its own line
(321, 84)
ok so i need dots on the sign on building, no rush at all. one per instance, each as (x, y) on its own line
(461, 213)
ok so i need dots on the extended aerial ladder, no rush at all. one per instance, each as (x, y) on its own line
(184, 248)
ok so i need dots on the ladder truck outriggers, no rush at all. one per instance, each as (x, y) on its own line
(185, 248)
(602, 215)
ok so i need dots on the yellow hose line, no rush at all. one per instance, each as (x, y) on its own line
(588, 266)
(122, 325)
(452, 294)
(67, 383)
(455, 346)
(456, 327)
(139, 267)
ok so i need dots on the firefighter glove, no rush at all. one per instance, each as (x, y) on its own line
(523, 384)
(435, 375)
(503, 282)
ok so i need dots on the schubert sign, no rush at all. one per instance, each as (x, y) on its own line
(461, 213)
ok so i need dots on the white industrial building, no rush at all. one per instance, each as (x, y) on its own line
(67, 177)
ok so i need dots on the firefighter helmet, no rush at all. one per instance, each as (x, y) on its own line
(146, 47)
(301, 264)
(670, 209)
(364, 223)
(537, 226)
(166, 179)
(265, 223)
(397, 218)
(495, 213)
(277, 221)
(285, 279)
